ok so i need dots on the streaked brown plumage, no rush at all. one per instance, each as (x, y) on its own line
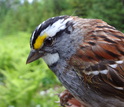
(88, 58)
(101, 49)
(67, 100)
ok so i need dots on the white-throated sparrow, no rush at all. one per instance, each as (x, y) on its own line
(87, 55)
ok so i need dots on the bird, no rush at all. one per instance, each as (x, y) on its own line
(68, 100)
(87, 56)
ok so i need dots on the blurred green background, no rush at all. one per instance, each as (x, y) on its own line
(34, 85)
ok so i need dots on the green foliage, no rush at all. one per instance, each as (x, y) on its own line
(22, 85)
(17, 16)
(111, 11)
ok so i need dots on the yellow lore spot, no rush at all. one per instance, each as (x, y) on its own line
(39, 41)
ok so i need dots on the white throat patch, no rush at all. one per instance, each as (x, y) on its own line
(51, 58)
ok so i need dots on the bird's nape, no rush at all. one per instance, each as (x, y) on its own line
(88, 59)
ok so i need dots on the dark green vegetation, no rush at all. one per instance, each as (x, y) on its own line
(25, 17)
(34, 85)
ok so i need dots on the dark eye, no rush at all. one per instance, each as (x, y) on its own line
(49, 41)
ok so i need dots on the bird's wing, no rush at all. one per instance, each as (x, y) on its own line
(100, 60)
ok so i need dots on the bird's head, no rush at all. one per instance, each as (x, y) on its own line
(51, 40)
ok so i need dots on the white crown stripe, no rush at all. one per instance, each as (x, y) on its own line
(32, 37)
(56, 27)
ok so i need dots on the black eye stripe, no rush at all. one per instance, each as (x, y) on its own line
(43, 26)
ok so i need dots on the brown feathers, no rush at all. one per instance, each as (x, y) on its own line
(100, 58)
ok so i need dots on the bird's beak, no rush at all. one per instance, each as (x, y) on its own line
(34, 55)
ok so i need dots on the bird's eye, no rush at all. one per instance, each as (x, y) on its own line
(49, 41)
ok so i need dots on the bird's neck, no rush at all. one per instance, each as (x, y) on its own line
(69, 78)
(76, 86)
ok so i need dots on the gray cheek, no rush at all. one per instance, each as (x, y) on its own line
(51, 49)
(65, 46)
